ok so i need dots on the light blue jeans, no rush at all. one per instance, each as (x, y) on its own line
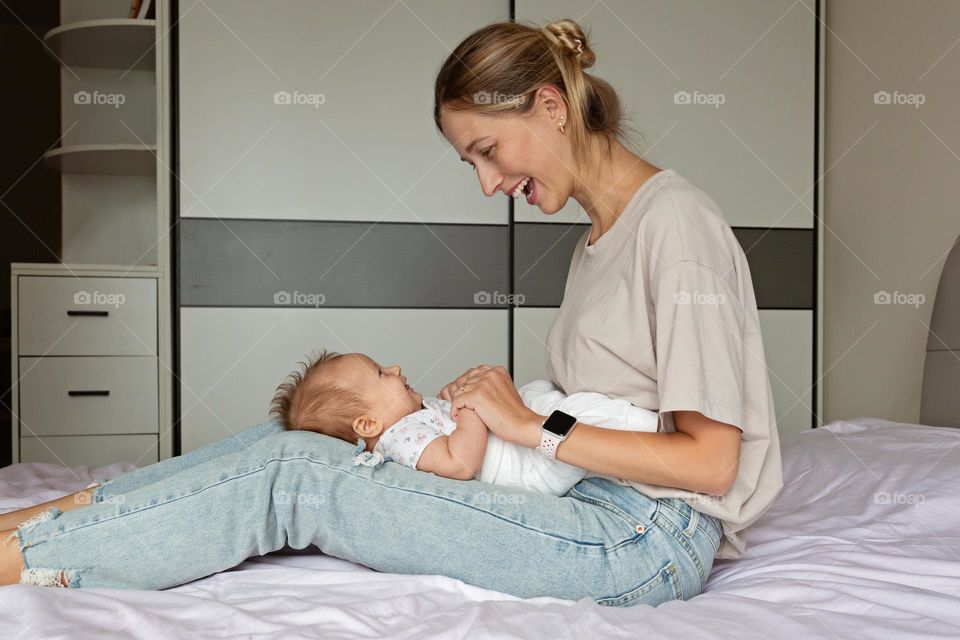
(263, 489)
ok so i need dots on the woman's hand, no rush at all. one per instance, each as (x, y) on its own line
(448, 391)
(490, 392)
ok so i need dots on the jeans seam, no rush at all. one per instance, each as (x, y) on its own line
(82, 525)
(702, 526)
(707, 529)
(667, 574)
(150, 505)
(677, 534)
(579, 543)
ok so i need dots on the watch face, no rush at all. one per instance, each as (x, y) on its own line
(560, 423)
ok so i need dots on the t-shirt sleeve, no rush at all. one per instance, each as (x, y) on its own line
(699, 343)
(405, 441)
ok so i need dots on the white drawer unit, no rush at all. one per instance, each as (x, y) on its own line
(76, 396)
(91, 451)
(88, 385)
(68, 316)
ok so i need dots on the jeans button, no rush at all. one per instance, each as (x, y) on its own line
(641, 528)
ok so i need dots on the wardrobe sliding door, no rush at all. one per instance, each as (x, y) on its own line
(319, 206)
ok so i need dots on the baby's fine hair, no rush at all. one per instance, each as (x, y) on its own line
(311, 398)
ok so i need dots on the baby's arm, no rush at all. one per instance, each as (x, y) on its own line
(459, 455)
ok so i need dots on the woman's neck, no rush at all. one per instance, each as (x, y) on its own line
(604, 194)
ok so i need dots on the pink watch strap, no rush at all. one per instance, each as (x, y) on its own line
(548, 444)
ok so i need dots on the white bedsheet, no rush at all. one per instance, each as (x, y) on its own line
(863, 542)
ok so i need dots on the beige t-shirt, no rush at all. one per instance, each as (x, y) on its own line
(660, 311)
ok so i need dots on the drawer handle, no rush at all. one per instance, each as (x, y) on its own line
(71, 312)
(97, 392)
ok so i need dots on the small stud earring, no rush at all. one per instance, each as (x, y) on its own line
(561, 125)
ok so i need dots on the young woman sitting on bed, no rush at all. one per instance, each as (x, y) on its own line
(658, 310)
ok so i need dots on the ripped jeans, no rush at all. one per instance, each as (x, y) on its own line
(264, 488)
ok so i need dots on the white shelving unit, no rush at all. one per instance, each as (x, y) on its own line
(104, 159)
(115, 238)
(121, 43)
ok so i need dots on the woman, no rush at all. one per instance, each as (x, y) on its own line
(658, 309)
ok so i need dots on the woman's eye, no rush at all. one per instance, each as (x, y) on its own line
(486, 152)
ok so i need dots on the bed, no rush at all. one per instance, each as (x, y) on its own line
(862, 542)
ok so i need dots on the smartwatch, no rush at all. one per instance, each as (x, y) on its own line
(555, 430)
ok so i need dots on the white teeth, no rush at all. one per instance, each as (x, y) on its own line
(519, 190)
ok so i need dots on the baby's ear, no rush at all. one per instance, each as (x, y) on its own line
(367, 426)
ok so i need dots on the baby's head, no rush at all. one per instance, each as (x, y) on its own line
(345, 396)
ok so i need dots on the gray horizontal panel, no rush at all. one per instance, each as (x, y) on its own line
(264, 263)
(781, 263)
(542, 253)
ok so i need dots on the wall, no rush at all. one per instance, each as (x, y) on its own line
(349, 223)
(892, 197)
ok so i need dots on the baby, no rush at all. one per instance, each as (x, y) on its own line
(352, 397)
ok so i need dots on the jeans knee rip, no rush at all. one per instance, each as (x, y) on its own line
(41, 576)
(96, 495)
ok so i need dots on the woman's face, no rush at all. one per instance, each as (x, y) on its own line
(505, 149)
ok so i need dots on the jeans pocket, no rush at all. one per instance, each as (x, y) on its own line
(633, 507)
(662, 587)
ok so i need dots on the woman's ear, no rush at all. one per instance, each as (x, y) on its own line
(552, 102)
(367, 427)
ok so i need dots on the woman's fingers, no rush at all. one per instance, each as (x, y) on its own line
(450, 391)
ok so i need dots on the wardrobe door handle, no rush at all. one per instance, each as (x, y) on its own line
(71, 312)
(97, 392)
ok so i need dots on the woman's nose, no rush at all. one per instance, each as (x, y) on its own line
(489, 182)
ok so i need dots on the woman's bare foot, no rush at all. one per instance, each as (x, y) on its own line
(69, 502)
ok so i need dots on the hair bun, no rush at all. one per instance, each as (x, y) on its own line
(569, 34)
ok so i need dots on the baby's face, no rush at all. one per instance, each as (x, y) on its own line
(386, 388)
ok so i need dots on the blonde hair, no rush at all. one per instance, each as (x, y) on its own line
(311, 399)
(498, 69)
